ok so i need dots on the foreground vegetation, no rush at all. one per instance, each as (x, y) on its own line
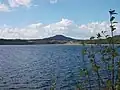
(104, 61)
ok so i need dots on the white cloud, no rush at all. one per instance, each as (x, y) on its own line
(38, 25)
(97, 27)
(53, 1)
(64, 27)
(13, 4)
(4, 8)
(17, 3)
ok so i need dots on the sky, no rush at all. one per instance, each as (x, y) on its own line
(36, 19)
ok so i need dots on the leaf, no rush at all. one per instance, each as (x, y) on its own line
(110, 67)
(112, 26)
(112, 18)
(79, 86)
(114, 13)
(109, 83)
(115, 54)
(53, 85)
(84, 51)
(92, 56)
(103, 32)
(113, 29)
(91, 38)
(96, 67)
(51, 88)
(83, 43)
(99, 35)
(118, 87)
(115, 22)
(111, 11)
(107, 36)
(118, 63)
(91, 60)
(86, 72)
(82, 73)
(108, 50)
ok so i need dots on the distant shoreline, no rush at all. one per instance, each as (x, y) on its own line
(58, 39)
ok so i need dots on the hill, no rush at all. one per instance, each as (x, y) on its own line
(59, 37)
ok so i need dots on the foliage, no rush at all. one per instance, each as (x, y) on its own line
(106, 68)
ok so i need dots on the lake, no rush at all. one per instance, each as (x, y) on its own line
(36, 67)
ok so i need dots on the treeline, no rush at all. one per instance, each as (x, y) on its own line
(116, 40)
(29, 42)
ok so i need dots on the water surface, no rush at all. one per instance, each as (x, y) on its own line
(36, 67)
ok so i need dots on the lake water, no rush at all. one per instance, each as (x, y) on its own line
(35, 67)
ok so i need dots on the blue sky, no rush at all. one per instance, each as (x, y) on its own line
(22, 13)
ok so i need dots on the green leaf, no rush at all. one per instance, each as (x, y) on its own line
(91, 60)
(107, 36)
(113, 29)
(96, 67)
(110, 67)
(112, 26)
(53, 85)
(111, 11)
(115, 54)
(108, 50)
(112, 18)
(79, 86)
(115, 22)
(84, 51)
(118, 87)
(82, 73)
(103, 32)
(91, 56)
(86, 73)
(52, 88)
(83, 43)
(114, 13)
(99, 35)
(118, 63)
(109, 83)
(91, 38)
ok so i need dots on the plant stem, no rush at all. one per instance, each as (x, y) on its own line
(97, 72)
(88, 76)
(113, 63)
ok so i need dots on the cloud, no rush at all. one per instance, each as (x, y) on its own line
(53, 1)
(17, 3)
(64, 26)
(38, 25)
(97, 27)
(4, 8)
